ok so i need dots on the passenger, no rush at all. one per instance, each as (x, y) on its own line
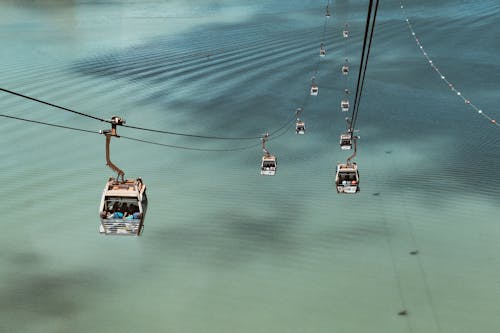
(132, 209)
(134, 216)
(112, 209)
(124, 209)
(118, 215)
(108, 213)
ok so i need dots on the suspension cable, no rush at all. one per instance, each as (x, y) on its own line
(364, 60)
(49, 124)
(190, 148)
(53, 105)
(138, 127)
(132, 138)
(361, 61)
(190, 135)
(441, 74)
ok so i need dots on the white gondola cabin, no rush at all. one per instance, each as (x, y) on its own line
(300, 127)
(346, 141)
(314, 90)
(345, 69)
(344, 105)
(327, 12)
(322, 50)
(268, 165)
(347, 178)
(345, 33)
(123, 207)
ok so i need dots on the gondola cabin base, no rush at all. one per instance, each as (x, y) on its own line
(300, 127)
(322, 52)
(123, 207)
(347, 178)
(268, 165)
(345, 69)
(345, 33)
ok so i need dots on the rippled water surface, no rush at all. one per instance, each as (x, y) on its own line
(225, 249)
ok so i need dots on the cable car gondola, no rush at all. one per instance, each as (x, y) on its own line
(322, 50)
(300, 127)
(346, 141)
(345, 32)
(344, 105)
(123, 202)
(347, 178)
(269, 162)
(345, 68)
(327, 11)
(314, 88)
(268, 165)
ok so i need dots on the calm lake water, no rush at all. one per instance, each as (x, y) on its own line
(225, 249)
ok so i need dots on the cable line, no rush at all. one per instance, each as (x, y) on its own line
(364, 61)
(190, 148)
(53, 105)
(49, 124)
(132, 138)
(190, 135)
(138, 127)
(441, 74)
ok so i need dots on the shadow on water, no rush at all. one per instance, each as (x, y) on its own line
(38, 293)
(232, 237)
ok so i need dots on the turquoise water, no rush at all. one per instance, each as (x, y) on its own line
(224, 249)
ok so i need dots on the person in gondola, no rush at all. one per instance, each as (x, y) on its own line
(132, 212)
(118, 215)
(133, 216)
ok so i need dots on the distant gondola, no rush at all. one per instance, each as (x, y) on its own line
(345, 32)
(300, 127)
(268, 165)
(269, 162)
(344, 105)
(346, 141)
(322, 50)
(345, 69)
(314, 89)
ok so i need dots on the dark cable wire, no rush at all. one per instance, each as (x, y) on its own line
(360, 73)
(49, 124)
(190, 148)
(290, 125)
(135, 127)
(190, 135)
(53, 105)
(130, 138)
(355, 117)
